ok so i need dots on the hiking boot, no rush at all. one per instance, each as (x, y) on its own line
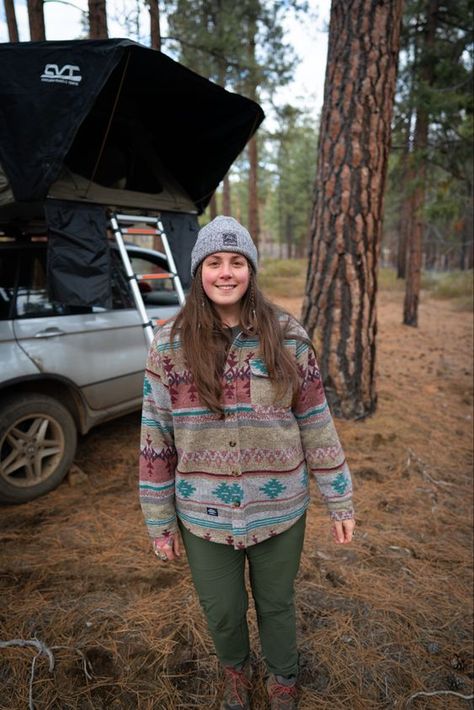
(282, 692)
(236, 688)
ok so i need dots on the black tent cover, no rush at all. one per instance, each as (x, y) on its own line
(117, 114)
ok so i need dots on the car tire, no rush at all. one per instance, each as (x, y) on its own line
(37, 446)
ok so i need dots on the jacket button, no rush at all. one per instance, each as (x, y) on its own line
(236, 473)
(236, 504)
(232, 443)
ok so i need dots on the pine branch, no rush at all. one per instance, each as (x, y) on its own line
(212, 52)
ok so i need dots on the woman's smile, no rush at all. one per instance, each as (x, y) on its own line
(225, 279)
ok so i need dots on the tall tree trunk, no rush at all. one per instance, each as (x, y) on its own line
(226, 203)
(407, 175)
(155, 32)
(36, 20)
(469, 223)
(11, 20)
(346, 224)
(406, 206)
(221, 80)
(413, 280)
(289, 236)
(253, 218)
(97, 19)
(213, 206)
(403, 235)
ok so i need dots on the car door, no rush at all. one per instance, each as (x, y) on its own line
(102, 351)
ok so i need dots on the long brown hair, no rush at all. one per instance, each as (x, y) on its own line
(206, 341)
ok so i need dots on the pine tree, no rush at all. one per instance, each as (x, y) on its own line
(36, 20)
(97, 19)
(240, 46)
(292, 164)
(11, 20)
(435, 79)
(155, 32)
(341, 288)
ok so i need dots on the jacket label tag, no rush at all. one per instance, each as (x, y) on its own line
(213, 511)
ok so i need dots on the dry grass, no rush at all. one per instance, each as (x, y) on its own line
(379, 621)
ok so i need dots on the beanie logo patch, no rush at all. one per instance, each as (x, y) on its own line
(229, 239)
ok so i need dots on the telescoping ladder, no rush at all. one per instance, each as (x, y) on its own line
(122, 224)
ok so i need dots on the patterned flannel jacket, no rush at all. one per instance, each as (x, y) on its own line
(244, 478)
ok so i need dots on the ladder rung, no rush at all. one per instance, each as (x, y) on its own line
(152, 277)
(138, 230)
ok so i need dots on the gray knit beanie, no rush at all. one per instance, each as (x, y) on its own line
(223, 234)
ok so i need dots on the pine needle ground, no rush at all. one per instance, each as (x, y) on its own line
(382, 623)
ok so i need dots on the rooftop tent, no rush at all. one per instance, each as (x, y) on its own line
(113, 122)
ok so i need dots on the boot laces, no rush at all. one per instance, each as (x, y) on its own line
(278, 690)
(238, 682)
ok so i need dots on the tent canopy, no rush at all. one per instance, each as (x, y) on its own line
(114, 122)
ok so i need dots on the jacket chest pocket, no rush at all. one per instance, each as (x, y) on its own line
(262, 392)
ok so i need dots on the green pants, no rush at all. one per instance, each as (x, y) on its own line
(218, 573)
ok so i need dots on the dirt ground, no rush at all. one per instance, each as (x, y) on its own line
(383, 623)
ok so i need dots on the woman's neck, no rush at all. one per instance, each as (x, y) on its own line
(229, 317)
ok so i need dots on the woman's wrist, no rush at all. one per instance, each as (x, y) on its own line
(163, 541)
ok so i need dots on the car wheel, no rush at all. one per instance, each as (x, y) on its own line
(37, 446)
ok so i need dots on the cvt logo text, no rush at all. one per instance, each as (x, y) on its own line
(68, 74)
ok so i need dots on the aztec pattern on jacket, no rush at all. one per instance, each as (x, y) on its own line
(244, 478)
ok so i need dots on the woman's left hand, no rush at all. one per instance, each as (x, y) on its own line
(343, 530)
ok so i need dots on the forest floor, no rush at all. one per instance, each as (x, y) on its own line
(385, 622)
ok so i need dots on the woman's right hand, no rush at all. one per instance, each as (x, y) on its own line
(167, 548)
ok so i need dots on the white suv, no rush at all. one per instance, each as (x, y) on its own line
(65, 369)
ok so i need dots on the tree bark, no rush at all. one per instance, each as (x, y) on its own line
(253, 217)
(155, 32)
(346, 224)
(97, 19)
(11, 20)
(413, 280)
(221, 80)
(226, 203)
(36, 20)
(213, 206)
(404, 230)
(406, 206)
(289, 236)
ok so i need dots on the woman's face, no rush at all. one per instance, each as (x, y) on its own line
(225, 279)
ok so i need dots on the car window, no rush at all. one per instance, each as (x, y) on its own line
(26, 270)
(159, 288)
(32, 298)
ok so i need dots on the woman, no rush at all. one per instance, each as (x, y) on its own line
(234, 419)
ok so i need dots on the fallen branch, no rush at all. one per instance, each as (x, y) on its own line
(36, 643)
(424, 472)
(41, 648)
(439, 692)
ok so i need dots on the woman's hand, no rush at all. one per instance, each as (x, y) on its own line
(167, 548)
(343, 530)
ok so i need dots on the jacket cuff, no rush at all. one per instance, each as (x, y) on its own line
(165, 535)
(341, 514)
